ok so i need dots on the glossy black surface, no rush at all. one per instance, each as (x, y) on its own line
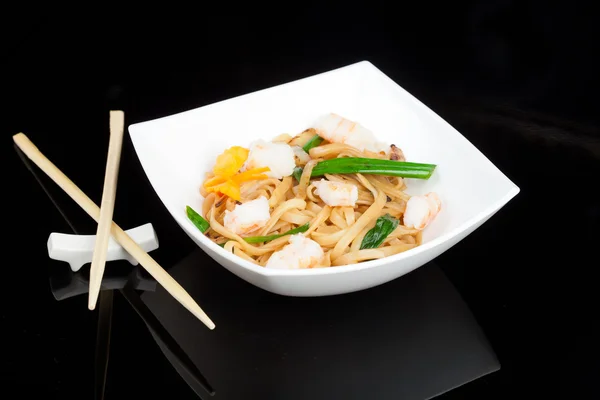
(411, 339)
(518, 79)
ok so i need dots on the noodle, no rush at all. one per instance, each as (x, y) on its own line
(337, 218)
(354, 257)
(295, 218)
(281, 209)
(318, 220)
(334, 150)
(339, 230)
(349, 215)
(371, 214)
(328, 239)
(279, 193)
(303, 138)
(359, 238)
(305, 179)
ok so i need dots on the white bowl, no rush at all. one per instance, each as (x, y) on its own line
(177, 150)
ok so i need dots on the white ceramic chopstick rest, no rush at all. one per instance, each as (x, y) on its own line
(78, 250)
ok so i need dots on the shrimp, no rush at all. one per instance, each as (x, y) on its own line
(421, 210)
(279, 157)
(336, 193)
(336, 129)
(301, 253)
(248, 217)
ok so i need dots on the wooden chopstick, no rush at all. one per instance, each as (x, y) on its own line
(107, 205)
(145, 260)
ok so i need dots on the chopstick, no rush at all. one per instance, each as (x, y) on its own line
(106, 206)
(145, 260)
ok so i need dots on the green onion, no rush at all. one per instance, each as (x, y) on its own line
(222, 244)
(383, 227)
(260, 239)
(197, 219)
(297, 173)
(313, 142)
(353, 165)
(375, 166)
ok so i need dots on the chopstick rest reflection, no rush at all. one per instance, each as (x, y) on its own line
(145, 260)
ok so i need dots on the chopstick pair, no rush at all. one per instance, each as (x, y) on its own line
(145, 260)
(105, 300)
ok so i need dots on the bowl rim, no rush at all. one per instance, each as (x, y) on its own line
(190, 229)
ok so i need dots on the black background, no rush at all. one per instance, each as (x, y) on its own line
(518, 78)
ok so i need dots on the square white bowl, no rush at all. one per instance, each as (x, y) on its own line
(176, 151)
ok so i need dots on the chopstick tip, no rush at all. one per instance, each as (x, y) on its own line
(23, 143)
(93, 298)
(19, 137)
(195, 309)
(206, 320)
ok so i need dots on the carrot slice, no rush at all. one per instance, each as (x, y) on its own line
(228, 183)
(229, 189)
(230, 161)
(251, 174)
(216, 180)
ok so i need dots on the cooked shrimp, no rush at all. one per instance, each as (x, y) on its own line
(301, 253)
(248, 217)
(336, 129)
(279, 157)
(421, 210)
(336, 193)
